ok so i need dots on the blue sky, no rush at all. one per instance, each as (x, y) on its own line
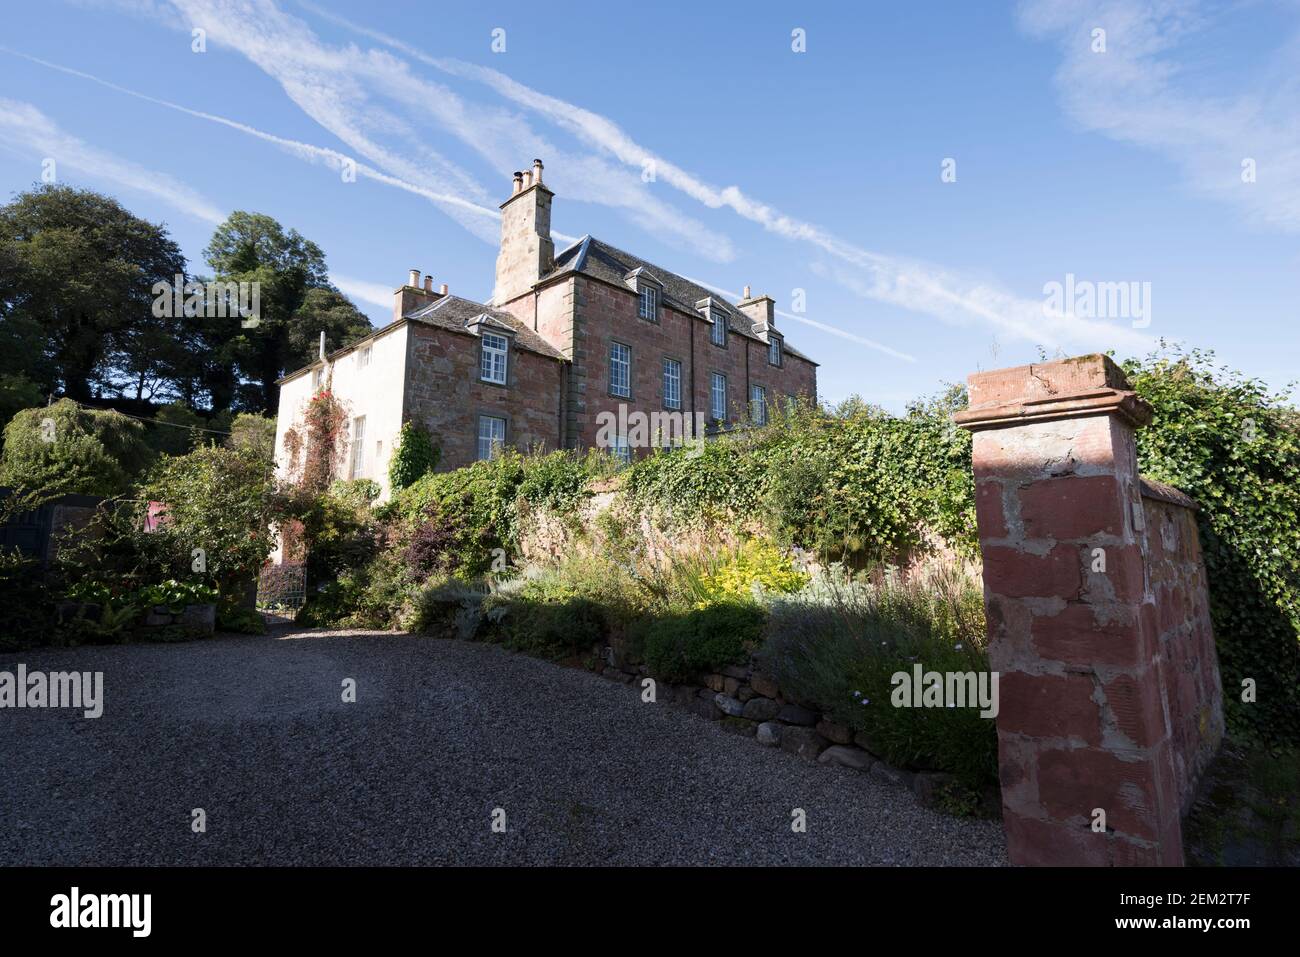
(817, 171)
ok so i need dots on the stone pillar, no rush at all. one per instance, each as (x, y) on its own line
(1082, 725)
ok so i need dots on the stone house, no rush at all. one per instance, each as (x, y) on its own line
(573, 347)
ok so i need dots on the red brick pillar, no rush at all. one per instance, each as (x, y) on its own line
(1082, 725)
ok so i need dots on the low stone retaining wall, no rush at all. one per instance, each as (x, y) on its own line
(750, 704)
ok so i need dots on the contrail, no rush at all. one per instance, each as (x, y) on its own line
(333, 158)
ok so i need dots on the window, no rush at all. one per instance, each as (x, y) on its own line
(774, 351)
(622, 450)
(315, 379)
(719, 327)
(648, 303)
(492, 360)
(672, 384)
(718, 397)
(363, 357)
(758, 404)
(359, 447)
(491, 435)
(620, 370)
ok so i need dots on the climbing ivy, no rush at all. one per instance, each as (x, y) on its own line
(1234, 446)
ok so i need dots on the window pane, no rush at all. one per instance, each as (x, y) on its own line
(719, 328)
(672, 384)
(491, 435)
(718, 396)
(620, 369)
(358, 446)
(492, 365)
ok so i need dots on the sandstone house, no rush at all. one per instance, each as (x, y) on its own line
(568, 342)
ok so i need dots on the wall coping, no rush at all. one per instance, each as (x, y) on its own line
(1167, 493)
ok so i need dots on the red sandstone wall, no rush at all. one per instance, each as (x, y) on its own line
(444, 392)
(1177, 614)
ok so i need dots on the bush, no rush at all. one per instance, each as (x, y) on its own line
(414, 457)
(681, 647)
(219, 500)
(1234, 447)
(65, 449)
(839, 642)
(852, 483)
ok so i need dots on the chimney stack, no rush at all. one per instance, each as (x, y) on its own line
(527, 251)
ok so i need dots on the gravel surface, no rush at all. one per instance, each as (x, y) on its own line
(254, 731)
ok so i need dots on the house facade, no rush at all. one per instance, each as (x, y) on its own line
(573, 347)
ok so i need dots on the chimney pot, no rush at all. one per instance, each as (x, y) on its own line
(519, 181)
(443, 289)
(414, 278)
(528, 178)
(746, 296)
(537, 171)
(428, 283)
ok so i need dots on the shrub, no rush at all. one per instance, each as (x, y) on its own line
(414, 457)
(253, 432)
(1235, 447)
(838, 643)
(681, 647)
(219, 500)
(65, 449)
(757, 565)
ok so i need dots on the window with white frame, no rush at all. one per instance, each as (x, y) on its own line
(672, 384)
(491, 435)
(774, 351)
(621, 450)
(316, 376)
(359, 447)
(718, 396)
(758, 404)
(492, 361)
(363, 357)
(719, 327)
(648, 302)
(620, 370)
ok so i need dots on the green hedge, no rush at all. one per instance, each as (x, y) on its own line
(1234, 446)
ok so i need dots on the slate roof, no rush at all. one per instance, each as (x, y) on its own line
(600, 260)
(456, 314)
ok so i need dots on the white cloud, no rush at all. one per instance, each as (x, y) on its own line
(1147, 89)
(27, 132)
(361, 290)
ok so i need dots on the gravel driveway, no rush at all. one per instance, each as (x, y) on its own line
(254, 731)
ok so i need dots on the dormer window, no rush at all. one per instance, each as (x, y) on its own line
(719, 318)
(493, 358)
(647, 306)
(774, 351)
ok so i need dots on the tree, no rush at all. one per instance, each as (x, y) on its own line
(296, 302)
(67, 449)
(253, 432)
(78, 274)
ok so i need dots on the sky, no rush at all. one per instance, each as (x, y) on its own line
(926, 189)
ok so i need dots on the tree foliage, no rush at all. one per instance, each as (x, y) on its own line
(64, 448)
